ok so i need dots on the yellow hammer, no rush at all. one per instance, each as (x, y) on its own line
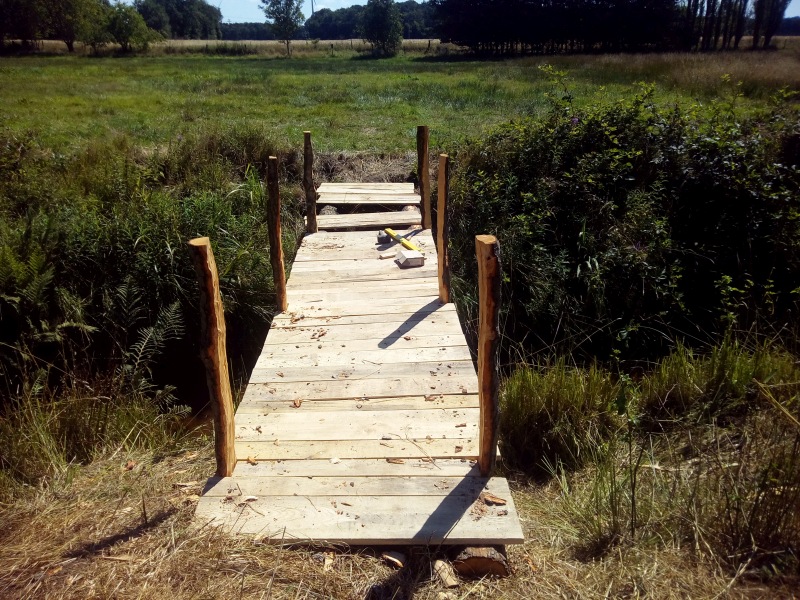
(397, 238)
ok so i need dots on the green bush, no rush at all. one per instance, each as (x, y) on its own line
(624, 226)
(93, 248)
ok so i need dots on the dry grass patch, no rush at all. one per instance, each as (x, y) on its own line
(124, 528)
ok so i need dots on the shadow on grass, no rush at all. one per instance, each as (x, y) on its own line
(94, 548)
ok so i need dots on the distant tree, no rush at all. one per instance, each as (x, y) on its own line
(772, 16)
(790, 26)
(69, 20)
(22, 19)
(246, 31)
(155, 15)
(128, 28)
(381, 27)
(98, 34)
(285, 17)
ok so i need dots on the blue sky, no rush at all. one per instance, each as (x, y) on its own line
(243, 11)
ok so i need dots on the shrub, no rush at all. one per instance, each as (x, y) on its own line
(626, 225)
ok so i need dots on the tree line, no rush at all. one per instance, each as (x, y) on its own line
(484, 26)
(99, 22)
(551, 26)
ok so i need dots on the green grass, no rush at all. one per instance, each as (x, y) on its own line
(349, 103)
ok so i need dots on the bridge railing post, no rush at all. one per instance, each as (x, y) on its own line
(308, 183)
(442, 225)
(487, 250)
(214, 355)
(424, 173)
(274, 230)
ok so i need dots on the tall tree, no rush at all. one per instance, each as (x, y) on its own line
(70, 20)
(129, 29)
(381, 27)
(285, 17)
(155, 15)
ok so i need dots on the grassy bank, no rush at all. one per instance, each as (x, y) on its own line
(350, 103)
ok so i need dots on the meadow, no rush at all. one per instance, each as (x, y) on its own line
(350, 102)
(665, 470)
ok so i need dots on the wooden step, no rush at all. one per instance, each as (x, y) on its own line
(369, 220)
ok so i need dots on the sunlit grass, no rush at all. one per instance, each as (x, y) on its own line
(349, 103)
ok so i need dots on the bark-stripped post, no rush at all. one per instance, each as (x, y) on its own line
(487, 250)
(213, 354)
(424, 172)
(308, 183)
(274, 226)
(442, 225)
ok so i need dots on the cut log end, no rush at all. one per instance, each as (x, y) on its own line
(477, 562)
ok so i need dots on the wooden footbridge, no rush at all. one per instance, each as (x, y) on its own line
(364, 421)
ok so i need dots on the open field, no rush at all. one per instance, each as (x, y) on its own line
(351, 103)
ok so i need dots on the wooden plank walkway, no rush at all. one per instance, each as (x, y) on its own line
(360, 421)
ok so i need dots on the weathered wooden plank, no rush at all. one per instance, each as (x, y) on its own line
(386, 267)
(384, 272)
(383, 187)
(362, 388)
(377, 520)
(391, 427)
(310, 292)
(368, 197)
(299, 339)
(401, 449)
(359, 467)
(422, 318)
(369, 220)
(452, 401)
(242, 487)
(298, 370)
(383, 307)
(346, 361)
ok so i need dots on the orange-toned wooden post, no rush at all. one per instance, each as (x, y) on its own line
(308, 183)
(213, 354)
(274, 227)
(442, 223)
(424, 173)
(487, 250)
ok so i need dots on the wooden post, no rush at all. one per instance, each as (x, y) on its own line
(308, 183)
(487, 250)
(213, 354)
(442, 226)
(424, 172)
(274, 226)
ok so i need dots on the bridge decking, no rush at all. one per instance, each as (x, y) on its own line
(360, 421)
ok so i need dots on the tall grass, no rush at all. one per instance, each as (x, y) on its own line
(720, 474)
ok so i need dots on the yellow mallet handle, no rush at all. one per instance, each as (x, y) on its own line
(397, 238)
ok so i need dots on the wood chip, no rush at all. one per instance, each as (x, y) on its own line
(297, 403)
(461, 425)
(394, 558)
(395, 461)
(492, 500)
(459, 448)
(252, 461)
(130, 465)
(444, 571)
(327, 563)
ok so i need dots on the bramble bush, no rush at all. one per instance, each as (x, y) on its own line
(627, 225)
